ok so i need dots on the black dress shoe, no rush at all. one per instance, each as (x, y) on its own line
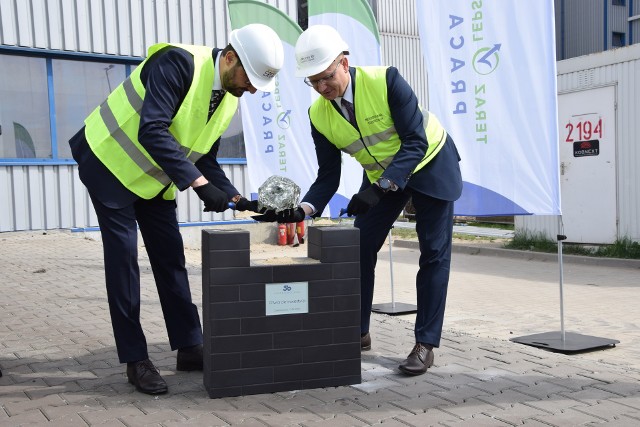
(365, 342)
(418, 361)
(189, 358)
(145, 377)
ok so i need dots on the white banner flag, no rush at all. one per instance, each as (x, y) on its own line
(276, 126)
(492, 83)
(356, 24)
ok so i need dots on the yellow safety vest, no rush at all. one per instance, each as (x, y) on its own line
(377, 142)
(112, 128)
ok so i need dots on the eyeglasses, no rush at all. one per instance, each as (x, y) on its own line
(326, 79)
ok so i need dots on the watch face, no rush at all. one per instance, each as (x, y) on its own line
(385, 184)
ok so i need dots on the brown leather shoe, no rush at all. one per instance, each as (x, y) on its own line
(189, 358)
(145, 377)
(365, 342)
(418, 361)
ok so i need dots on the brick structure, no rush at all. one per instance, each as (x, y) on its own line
(247, 351)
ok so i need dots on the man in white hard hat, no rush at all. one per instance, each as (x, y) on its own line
(157, 133)
(373, 114)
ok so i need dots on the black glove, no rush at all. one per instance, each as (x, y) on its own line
(215, 200)
(268, 215)
(363, 201)
(247, 205)
(291, 215)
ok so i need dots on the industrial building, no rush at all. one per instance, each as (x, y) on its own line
(61, 59)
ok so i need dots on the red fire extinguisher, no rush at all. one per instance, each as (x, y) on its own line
(300, 231)
(282, 234)
(291, 231)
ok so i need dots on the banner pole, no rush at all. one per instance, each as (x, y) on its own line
(560, 236)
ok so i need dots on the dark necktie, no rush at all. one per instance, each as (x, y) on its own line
(216, 97)
(350, 112)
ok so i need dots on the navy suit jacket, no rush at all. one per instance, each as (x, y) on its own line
(440, 178)
(167, 76)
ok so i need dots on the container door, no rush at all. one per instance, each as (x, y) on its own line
(588, 165)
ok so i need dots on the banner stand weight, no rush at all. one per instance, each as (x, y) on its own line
(562, 341)
(393, 308)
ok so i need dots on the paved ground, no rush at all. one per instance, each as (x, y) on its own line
(60, 366)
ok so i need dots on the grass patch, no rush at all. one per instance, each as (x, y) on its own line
(622, 248)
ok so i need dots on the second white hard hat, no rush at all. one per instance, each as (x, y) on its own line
(260, 51)
(317, 47)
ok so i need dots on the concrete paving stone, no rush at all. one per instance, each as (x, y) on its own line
(339, 420)
(392, 422)
(621, 388)
(607, 410)
(480, 420)
(377, 414)
(431, 417)
(540, 389)
(16, 408)
(33, 417)
(534, 423)
(68, 387)
(293, 417)
(460, 394)
(620, 422)
(569, 417)
(469, 408)
(100, 416)
(331, 394)
(380, 397)
(589, 395)
(159, 418)
(517, 413)
(556, 403)
(422, 403)
(205, 419)
(302, 401)
(68, 420)
(631, 401)
(65, 411)
(17, 389)
(506, 398)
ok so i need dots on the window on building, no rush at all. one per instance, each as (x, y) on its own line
(617, 39)
(618, 2)
(46, 97)
(25, 131)
(79, 87)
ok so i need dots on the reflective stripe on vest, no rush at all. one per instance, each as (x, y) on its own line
(377, 142)
(112, 128)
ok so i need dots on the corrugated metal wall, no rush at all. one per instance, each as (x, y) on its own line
(52, 196)
(400, 43)
(619, 67)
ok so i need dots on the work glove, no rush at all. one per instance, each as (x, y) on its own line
(291, 215)
(215, 200)
(244, 204)
(363, 201)
(268, 215)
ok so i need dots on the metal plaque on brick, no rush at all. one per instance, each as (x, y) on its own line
(286, 298)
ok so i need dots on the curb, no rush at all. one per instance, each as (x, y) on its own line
(530, 255)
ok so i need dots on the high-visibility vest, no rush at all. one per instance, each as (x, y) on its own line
(112, 128)
(377, 141)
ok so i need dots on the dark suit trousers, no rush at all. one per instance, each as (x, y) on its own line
(159, 229)
(434, 227)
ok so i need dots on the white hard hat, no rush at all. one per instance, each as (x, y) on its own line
(260, 51)
(317, 47)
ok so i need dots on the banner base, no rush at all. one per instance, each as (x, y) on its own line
(394, 308)
(572, 342)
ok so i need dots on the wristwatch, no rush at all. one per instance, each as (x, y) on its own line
(385, 184)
